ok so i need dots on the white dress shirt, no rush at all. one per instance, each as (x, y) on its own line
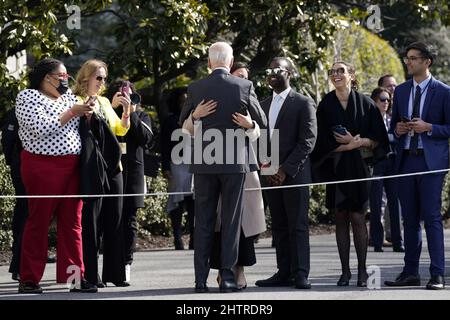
(275, 107)
(424, 89)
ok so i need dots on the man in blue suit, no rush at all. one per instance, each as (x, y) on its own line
(421, 123)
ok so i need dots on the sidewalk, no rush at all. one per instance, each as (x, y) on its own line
(169, 275)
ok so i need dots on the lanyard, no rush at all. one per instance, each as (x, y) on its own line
(423, 90)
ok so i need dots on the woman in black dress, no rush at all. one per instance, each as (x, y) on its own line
(350, 131)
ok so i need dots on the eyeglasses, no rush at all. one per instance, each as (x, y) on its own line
(384, 99)
(100, 78)
(275, 71)
(337, 72)
(411, 58)
(62, 75)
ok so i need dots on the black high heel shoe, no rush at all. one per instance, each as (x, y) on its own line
(344, 280)
(362, 280)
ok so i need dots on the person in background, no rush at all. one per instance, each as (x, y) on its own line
(103, 216)
(137, 138)
(12, 148)
(382, 98)
(388, 81)
(178, 176)
(347, 121)
(48, 117)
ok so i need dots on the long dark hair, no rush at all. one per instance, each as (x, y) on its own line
(40, 70)
(238, 65)
(376, 95)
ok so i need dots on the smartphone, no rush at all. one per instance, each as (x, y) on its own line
(91, 99)
(340, 129)
(125, 88)
(405, 119)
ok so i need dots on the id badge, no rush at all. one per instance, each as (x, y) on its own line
(123, 147)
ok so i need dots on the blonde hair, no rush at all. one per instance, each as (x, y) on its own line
(84, 74)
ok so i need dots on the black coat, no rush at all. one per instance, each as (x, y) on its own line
(137, 138)
(100, 156)
(297, 127)
(360, 117)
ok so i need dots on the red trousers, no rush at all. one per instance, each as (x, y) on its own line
(51, 175)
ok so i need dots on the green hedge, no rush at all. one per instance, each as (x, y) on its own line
(6, 206)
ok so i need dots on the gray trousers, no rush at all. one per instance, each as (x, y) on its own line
(207, 188)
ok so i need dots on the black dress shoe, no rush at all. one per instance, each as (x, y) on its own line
(436, 283)
(201, 287)
(302, 283)
(275, 281)
(84, 287)
(29, 287)
(51, 259)
(404, 280)
(344, 280)
(362, 279)
(377, 249)
(399, 249)
(100, 284)
(227, 286)
(121, 284)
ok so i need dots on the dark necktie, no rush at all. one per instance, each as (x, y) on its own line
(416, 114)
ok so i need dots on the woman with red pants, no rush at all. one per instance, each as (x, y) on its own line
(48, 117)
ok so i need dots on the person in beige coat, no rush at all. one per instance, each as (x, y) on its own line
(253, 217)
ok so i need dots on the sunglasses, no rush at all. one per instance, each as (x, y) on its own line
(337, 72)
(100, 78)
(384, 99)
(61, 75)
(275, 71)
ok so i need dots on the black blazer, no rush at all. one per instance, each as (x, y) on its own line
(231, 93)
(100, 156)
(297, 127)
(138, 136)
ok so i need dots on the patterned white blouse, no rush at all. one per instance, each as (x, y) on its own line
(40, 128)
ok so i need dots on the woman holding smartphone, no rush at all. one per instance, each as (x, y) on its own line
(48, 115)
(348, 122)
(103, 216)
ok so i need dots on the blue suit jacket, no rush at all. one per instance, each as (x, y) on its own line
(436, 110)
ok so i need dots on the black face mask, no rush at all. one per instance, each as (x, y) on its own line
(63, 87)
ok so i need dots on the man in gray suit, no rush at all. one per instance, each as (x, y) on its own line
(225, 174)
(294, 116)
